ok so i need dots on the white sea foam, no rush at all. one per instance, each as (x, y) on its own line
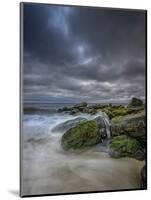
(48, 169)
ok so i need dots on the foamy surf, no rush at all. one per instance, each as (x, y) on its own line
(47, 168)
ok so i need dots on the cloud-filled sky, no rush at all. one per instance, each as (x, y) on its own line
(74, 54)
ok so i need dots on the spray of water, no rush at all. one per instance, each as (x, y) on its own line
(47, 168)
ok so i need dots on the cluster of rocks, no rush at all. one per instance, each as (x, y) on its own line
(127, 130)
(127, 134)
(82, 108)
(135, 106)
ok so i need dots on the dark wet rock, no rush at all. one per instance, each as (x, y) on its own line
(143, 177)
(140, 154)
(135, 102)
(91, 111)
(123, 146)
(64, 109)
(74, 111)
(102, 126)
(131, 125)
(97, 106)
(83, 104)
(68, 124)
(100, 122)
(85, 134)
(85, 109)
(134, 110)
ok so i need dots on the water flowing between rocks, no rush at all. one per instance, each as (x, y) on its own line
(47, 168)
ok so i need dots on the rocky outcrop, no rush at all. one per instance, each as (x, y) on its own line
(68, 124)
(135, 106)
(83, 104)
(121, 146)
(135, 102)
(85, 134)
(131, 125)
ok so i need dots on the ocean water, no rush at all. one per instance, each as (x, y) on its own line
(48, 169)
(46, 105)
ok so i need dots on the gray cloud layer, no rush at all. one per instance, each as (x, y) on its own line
(74, 54)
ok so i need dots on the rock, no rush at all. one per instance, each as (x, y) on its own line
(68, 124)
(135, 102)
(83, 104)
(140, 154)
(85, 110)
(121, 146)
(74, 111)
(85, 134)
(97, 106)
(64, 109)
(143, 177)
(100, 122)
(114, 111)
(102, 126)
(134, 110)
(91, 111)
(131, 125)
(109, 113)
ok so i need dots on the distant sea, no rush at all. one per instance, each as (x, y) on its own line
(46, 105)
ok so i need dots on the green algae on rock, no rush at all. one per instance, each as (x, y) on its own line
(123, 145)
(131, 125)
(68, 124)
(85, 134)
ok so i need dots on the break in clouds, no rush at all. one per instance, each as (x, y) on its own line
(74, 54)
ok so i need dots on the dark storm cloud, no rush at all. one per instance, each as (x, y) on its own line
(42, 37)
(76, 54)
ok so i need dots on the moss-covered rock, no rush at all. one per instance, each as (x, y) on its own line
(115, 111)
(85, 134)
(68, 124)
(130, 125)
(108, 112)
(123, 146)
(120, 112)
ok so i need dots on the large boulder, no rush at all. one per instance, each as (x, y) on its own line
(121, 146)
(85, 134)
(130, 125)
(135, 102)
(68, 124)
